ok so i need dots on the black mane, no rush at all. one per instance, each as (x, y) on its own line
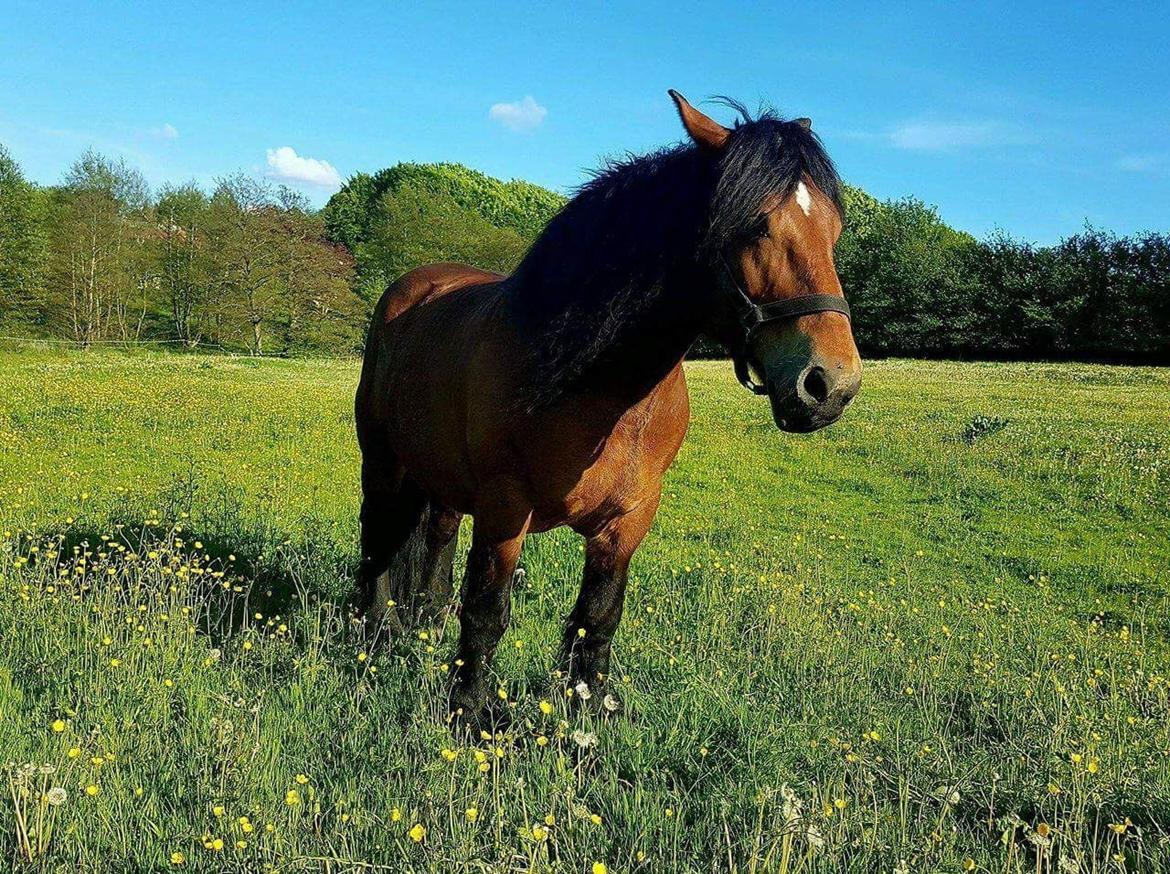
(647, 225)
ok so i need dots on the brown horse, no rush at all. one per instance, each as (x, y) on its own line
(556, 396)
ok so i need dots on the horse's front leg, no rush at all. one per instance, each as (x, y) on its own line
(589, 630)
(496, 540)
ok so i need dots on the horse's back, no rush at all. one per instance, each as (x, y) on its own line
(428, 282)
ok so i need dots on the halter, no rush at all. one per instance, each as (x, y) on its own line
(752, 315)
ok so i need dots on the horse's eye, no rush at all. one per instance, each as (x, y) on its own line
(761, 228)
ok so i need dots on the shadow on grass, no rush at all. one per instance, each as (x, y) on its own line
(264, 572)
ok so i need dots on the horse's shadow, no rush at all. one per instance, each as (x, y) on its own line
(246, 575)
(272, 578)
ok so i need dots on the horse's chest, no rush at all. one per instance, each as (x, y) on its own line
(622, 468)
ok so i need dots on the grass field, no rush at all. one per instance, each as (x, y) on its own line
(935, 637)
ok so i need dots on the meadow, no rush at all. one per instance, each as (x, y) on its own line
(934, 637)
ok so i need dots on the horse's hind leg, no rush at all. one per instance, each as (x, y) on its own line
(391, 514)
(590, 627)
(435, 585)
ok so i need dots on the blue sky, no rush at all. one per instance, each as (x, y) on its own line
(1031, 117)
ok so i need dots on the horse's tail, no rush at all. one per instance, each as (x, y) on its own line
(408, 558)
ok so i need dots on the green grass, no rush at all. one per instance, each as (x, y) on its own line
(932, 638)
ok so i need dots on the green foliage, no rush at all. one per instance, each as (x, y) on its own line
(352, 213)
(901, 268)
(275, 277)
(940, 648)
(413, 214)
(919, 287)
(97, 259)
(23, 249)
(117, 181)
(414, 226)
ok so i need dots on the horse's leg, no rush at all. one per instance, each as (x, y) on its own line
(496, 540)
(435, 583)
(390, 514)
(589, 630)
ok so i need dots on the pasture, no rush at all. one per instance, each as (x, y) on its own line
(935, 637)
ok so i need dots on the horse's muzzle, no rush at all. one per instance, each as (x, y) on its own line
(815, 398)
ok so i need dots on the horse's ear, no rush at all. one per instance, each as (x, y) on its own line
(805, 123)
(706, 132)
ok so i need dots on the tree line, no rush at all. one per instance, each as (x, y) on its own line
(251, 266)
(919, 287)
(99, 259)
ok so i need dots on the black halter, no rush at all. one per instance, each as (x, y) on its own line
(752, 315)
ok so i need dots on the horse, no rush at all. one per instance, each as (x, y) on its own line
(556, 396)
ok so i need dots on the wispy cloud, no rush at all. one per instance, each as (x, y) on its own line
(942, 136)
(1150, 163)
(285, 164)
(520, 116)
(165, 131)
(946, 136)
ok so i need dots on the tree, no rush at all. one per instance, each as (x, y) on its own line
(902, 269)
(99, 229)
(246, 257)
(519, 205)
(356, 215)
(23, 249)
(183, 259)
(413, 226)
(275, 279)
(321, 308)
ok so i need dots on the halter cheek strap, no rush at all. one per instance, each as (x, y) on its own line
(752, 315)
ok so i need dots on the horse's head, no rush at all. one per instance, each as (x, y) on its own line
(774, 220)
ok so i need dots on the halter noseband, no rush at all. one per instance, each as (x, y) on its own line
(752, 315)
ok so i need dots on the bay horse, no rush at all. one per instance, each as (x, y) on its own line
(556, 395)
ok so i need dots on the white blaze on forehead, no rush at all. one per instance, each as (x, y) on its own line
(803, 198)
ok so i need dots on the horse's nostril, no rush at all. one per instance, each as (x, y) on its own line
(816, 385)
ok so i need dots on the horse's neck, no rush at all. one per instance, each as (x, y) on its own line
(645, 351)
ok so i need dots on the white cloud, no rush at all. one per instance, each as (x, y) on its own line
(941, 136)
(520, 116)
(285, 164)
